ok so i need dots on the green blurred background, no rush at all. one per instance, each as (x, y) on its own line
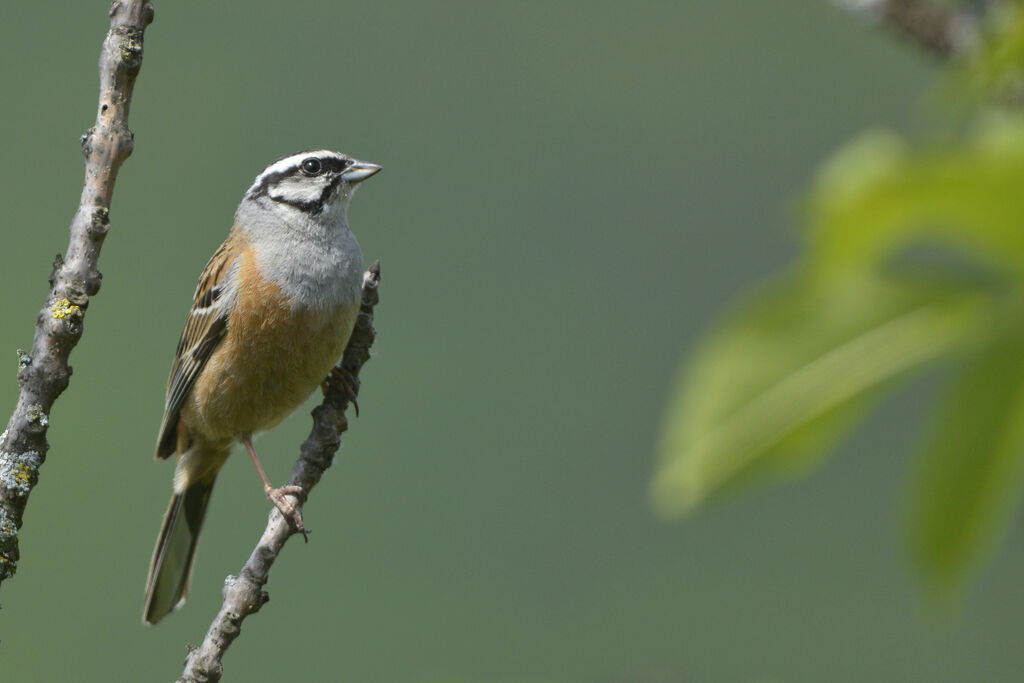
(571, 190)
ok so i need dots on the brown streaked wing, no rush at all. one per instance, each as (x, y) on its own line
(204, 329)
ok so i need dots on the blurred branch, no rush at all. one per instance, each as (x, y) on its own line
(244, 594)
(44, 373)
(942, 30)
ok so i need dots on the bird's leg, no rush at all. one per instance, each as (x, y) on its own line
(347, 381)
(277, 496)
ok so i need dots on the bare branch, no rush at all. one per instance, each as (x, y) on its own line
(244, 594)
(44, 373)
(942, 30)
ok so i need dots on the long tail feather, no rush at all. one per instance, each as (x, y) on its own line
(170, 570)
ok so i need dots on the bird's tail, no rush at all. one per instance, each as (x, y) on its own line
(170, 570)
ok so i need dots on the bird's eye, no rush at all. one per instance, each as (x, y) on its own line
(312, 166)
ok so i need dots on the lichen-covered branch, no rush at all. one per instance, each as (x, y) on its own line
(43, 373)
(244, 594)
(941, 29)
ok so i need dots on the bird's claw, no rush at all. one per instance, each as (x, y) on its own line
(289, 511)
(348, 383)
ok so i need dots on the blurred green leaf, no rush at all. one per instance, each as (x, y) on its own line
(877, 196)
(972, 472)
(785, 374)
(996, 70)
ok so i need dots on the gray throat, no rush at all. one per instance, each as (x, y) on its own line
(314, 259)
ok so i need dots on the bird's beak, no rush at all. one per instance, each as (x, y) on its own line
(359, 171)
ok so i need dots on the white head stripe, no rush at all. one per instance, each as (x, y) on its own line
(290, 162)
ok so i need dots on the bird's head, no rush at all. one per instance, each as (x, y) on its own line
(317, 182)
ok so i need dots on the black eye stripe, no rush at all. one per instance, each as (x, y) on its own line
(271, 179)
(329, 164)
(337, 165)
(309, 206)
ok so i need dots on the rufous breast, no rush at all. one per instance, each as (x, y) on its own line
(255, 379)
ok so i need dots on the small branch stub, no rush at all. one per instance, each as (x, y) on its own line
(243, 594)
(43, 372)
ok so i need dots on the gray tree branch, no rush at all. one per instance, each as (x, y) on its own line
(43, 374)
(243, 594)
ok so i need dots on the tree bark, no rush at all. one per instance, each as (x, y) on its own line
(43, 374)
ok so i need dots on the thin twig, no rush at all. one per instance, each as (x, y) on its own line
(942, 30)
(44, 373)
(244, 594)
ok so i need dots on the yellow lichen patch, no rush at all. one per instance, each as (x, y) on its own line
(22, 472)
(63, 308)
(35, 414)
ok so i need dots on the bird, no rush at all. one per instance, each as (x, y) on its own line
(271, 315)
